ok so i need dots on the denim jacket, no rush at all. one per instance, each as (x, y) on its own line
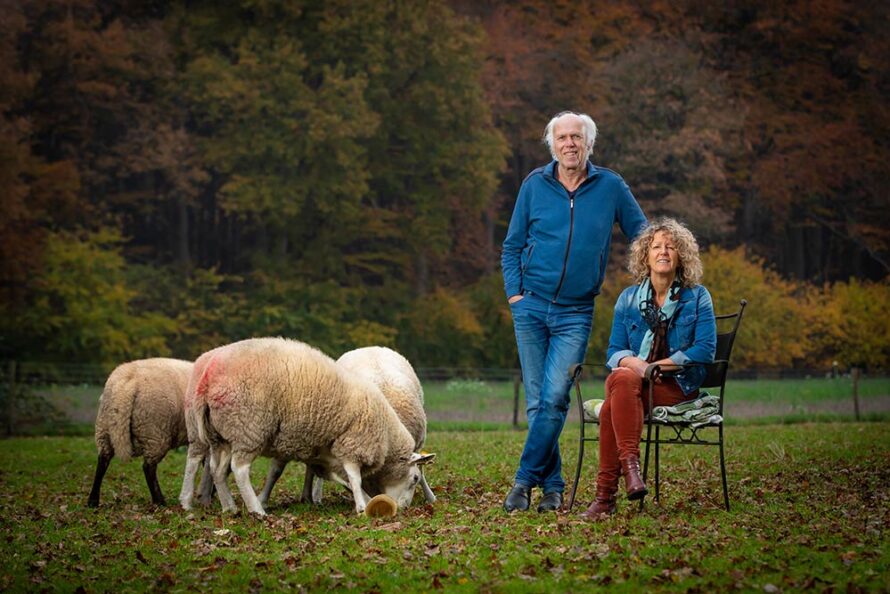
(691, 336)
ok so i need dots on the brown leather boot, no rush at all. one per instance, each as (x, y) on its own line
(603, 506)
(633, 482)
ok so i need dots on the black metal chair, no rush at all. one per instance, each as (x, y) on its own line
(678, 431)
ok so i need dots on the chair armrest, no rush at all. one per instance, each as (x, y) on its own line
(576, 369)
(655, 368)
(575, 376)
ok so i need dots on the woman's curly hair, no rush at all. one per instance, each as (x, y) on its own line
(689, 271)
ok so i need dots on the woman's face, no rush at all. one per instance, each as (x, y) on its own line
(663, 257)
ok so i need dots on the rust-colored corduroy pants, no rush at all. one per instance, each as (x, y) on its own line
(621, 419)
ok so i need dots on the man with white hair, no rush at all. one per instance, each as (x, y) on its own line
(554, 259)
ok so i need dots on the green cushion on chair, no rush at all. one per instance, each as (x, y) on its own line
(592, 409)
(698, 412)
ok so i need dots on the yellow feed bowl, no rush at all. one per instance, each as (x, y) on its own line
(381, 506)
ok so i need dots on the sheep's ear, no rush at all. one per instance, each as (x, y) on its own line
(421, 459)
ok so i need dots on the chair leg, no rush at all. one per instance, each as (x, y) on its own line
(723, 471)
(657, 463)
(580, 462)
(646, 457)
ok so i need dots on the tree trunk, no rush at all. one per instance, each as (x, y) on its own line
(421, 274)
(183, 257)
(491, 252)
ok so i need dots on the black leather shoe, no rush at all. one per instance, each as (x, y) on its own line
(550, 502)
(519, 498)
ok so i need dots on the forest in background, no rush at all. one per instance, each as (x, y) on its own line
(178, 175)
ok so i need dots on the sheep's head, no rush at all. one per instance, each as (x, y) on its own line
(402, 481)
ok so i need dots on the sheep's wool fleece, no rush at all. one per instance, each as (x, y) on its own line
(141, 409)
(285, 399)
(394, 375)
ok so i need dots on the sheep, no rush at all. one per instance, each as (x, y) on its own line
(286, 400)
(141, 414)
(393, 374)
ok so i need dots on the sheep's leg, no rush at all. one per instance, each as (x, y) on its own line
(306, 495)
(317, 487)
(313, 487)
(219, 460)
(241, 462)
(101, 467)
(205, 488)
(427, 492)
(342, 481)
(275, 470)
(150, 470)
(353, 472)
(193, 460)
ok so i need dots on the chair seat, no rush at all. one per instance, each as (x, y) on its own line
(702, 410)
(713, 422)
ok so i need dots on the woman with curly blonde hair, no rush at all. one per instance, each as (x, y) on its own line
(666, 318)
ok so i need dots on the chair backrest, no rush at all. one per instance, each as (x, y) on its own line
(716, 376)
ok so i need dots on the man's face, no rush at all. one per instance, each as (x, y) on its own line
(568, 142)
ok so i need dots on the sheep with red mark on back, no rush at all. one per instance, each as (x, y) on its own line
(286, 400)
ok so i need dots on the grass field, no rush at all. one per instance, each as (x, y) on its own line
(811, 511)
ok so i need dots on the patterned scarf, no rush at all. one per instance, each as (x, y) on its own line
(656, 318)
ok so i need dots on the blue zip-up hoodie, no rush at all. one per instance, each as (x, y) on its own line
(691, 334)
(557, 245)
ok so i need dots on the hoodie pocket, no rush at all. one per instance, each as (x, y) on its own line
(527, 257)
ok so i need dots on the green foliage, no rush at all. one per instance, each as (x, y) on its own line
(777, 329)
(207, 307)
(435, 325)
(282, 144)
(855, 324)
(794, 324)
(81, 306)
(497, 345)
(435, 155)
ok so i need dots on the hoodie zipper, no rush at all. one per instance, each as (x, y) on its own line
(565, 261)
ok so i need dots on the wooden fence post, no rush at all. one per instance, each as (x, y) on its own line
(856, 372)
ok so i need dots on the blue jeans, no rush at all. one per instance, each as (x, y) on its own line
(551, 338)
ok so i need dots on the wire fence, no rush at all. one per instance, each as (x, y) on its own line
(58, 398)
(61, 373)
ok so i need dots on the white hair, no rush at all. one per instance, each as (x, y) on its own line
(587, 124)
